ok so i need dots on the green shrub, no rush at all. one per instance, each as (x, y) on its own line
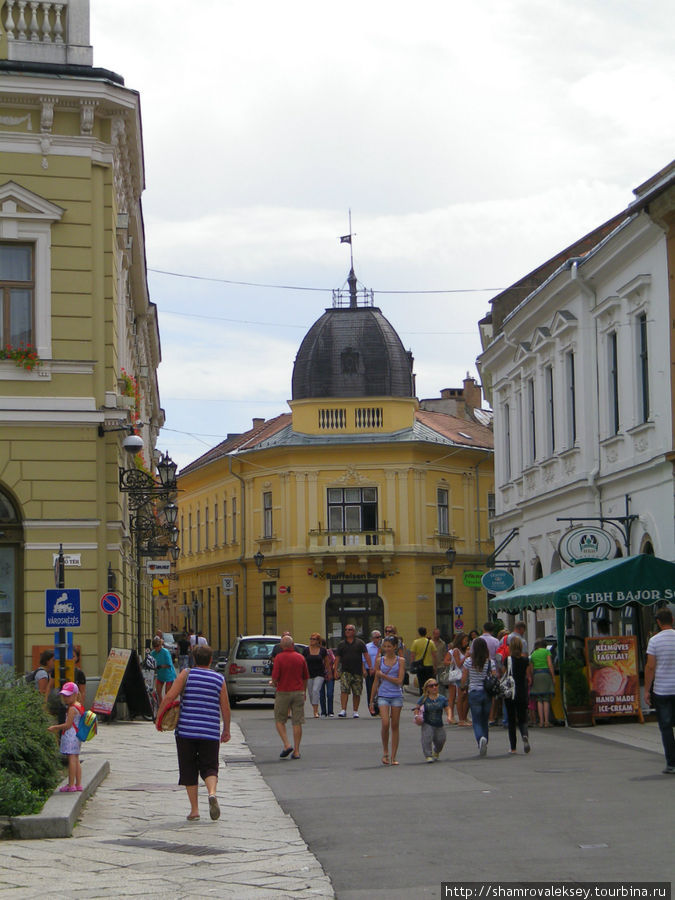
(27, 749)
(16, 798)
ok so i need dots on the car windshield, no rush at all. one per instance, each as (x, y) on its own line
(256, 649)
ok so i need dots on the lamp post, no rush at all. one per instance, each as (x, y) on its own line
(450, 555)
(259, 559)
(152, 537)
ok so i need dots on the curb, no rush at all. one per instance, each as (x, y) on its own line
(58, 816)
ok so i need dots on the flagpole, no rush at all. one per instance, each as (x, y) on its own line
(351, 243)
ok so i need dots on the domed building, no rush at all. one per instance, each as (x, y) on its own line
(361, 505)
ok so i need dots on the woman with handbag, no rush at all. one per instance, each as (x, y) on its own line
(453, 661)
(474, 672)
(198, 734)
(518, 666)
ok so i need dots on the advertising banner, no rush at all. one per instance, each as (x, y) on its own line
(613, 675)
(111, 680)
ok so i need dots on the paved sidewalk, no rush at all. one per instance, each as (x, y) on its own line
(134, 840)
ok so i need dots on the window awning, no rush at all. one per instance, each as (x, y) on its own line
(613, 582)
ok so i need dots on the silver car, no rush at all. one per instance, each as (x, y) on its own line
(249, 667)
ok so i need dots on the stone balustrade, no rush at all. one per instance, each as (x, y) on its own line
(35, 20)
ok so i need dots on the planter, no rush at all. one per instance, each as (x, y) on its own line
(579, 716)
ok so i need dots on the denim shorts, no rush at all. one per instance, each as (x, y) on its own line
(389, 701)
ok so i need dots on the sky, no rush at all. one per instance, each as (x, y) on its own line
(470, 141)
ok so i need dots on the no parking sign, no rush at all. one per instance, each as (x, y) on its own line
(111, 603)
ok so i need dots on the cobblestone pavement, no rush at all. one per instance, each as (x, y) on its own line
(134, 840)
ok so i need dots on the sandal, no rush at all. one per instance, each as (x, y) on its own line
(385, 760)
(67, 789)
(395, 762)
(192, 818)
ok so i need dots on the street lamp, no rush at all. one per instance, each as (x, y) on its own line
(450, 555)
(259, 559)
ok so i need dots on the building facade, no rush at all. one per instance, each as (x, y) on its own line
(577, 363)
(343, 509)
(79, 341)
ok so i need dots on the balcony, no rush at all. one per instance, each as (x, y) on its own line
(338, 543)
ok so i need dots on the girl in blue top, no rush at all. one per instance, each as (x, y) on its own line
(433, 732)
(165, 672)
(388, 688)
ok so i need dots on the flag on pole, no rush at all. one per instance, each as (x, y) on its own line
(346, 239)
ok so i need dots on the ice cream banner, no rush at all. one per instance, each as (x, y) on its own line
(613, 675)
(111, 680)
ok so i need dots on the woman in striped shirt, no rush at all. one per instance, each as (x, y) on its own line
(198, 733)
(474, 672)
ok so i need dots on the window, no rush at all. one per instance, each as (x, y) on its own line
(234, 520)
(442, 507)
(17, 294)
(268, 530)
(532, 420)
(491, 511)
(189, 532)
(269, 607)
(507, 442)
(352, 509)
(613, 372)
(215, 524)
(224, 521)
(444, 607)
(643, 369)
(550, 411)
(199, 531)
(206, 528)
(571, 400)
(183, 545)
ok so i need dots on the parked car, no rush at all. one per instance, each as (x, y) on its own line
(249, 667)
(220, 663)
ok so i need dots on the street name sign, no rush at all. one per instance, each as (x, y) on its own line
(62, 608)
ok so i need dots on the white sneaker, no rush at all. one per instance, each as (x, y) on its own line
(342, 714)
(436, 754)
(355, 716)
(482, 746)
(430, 759)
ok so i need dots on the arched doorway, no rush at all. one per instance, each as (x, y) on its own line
(353, 602)
(11, 543)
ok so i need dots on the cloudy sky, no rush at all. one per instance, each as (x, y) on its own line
(471, 142)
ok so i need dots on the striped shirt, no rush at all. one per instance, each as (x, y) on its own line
(476, 676)
(662, 648)
(200, 706)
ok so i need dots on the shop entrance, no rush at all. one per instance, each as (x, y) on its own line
(353, 603)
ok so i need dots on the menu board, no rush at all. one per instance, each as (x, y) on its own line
(111, 680)
(613, 676)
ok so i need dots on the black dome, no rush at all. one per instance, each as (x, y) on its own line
(352, 352)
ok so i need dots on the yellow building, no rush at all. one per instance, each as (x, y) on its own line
(350, 502)
(73, 290)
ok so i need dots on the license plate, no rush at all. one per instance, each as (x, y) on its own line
(258, 670)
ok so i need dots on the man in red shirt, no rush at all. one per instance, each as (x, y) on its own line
(290, 676)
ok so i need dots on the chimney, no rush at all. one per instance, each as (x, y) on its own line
(473, 394)
(258, 422)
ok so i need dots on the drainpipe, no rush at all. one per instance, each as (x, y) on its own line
(242, 555)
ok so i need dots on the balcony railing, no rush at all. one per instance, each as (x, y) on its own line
(380, 540)
(46, 31)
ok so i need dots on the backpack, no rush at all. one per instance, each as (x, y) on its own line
(29, 677)
(88, 726)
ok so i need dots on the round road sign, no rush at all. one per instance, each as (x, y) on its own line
(110, 603)
(459, 624)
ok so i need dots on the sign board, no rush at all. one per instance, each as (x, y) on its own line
(62, 608)
(459, 624)
(122, 672)
(497, 580)
(158, 567)
(228, 585)
(160, 587)
(70, 560)
(111, 603)
(586, 544)
(282, 588)
(471, 579)
(459, 610)
(613, 676)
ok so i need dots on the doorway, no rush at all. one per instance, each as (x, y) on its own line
(353, 603)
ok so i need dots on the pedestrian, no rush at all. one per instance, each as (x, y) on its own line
(660, 682)
(518, 665)
(165, 674)
(204, 701)
(315, 657)
(473, 634)
(290, 676)
(433, 733)
(519, 630)
(183, 651)
(423, 657)
(79, 677)
(440, 648)
(474, 673)
(196, 639)
(373, 649)
(44, 672)
(277, 647)
(350, 657)
(457, 698)
(387, 690)
(70, 744)
(328, 689)
(542, 675)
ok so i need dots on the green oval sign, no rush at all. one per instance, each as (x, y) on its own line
(472, 579)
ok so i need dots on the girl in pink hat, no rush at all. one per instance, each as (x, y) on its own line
(70, 744)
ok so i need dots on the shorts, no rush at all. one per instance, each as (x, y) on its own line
(351, 684)
(195, 758)
(389, 701)
(293, 701)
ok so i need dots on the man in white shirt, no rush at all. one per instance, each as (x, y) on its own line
(660, 682)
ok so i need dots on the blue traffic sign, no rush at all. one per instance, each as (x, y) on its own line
(110, 603)
(459, 610)
(62, 608)
(497, 580)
